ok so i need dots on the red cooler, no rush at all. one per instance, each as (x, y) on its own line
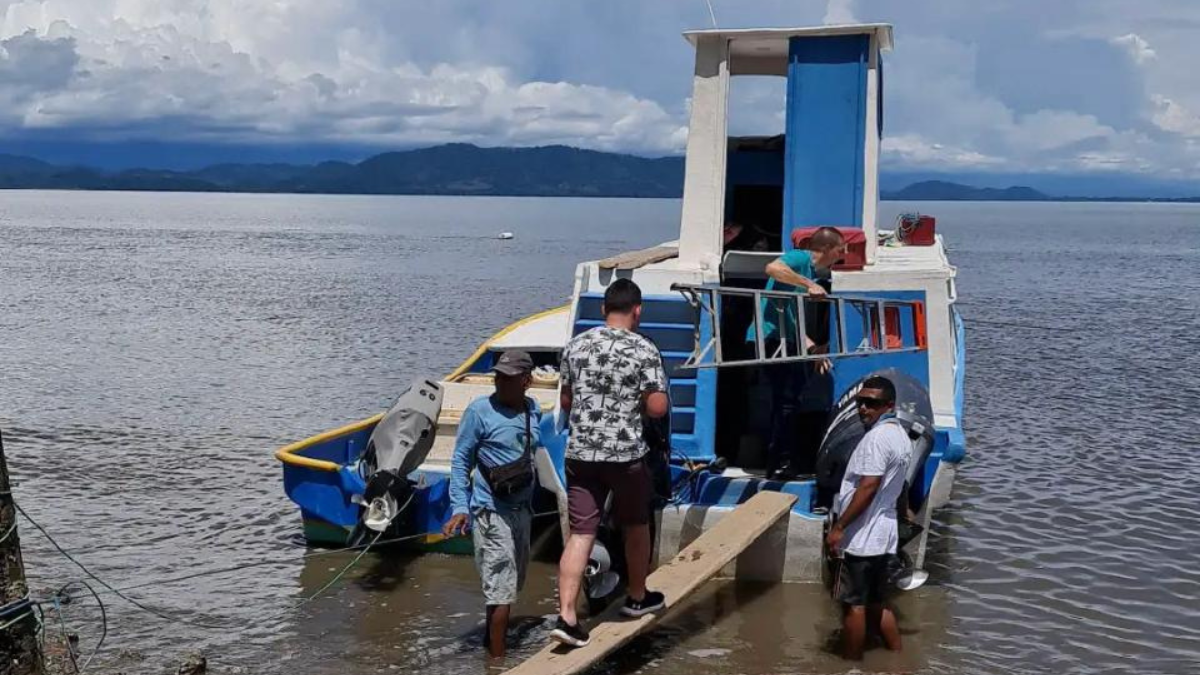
(916, 230)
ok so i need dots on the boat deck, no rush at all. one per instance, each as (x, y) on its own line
(455, 399)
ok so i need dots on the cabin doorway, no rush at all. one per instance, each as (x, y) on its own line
(771, 417)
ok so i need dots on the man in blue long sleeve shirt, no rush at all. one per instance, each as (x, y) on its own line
(496, 430)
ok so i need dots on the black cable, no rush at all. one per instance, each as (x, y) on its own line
(104, 583)
(212, 626)
(164, 615)
(103, 623)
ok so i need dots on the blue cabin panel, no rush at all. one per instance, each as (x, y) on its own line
(850, 369)
(669, 322)
(826, 132)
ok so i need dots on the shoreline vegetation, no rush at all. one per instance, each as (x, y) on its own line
(461, 169)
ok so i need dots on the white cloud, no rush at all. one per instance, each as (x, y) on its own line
(1015, 85)
(1172, 116)
(29, 64)
(1138, 49)
(1052, 129)
(141, 74)
(838, 12)
(948, 120)
(914, 151)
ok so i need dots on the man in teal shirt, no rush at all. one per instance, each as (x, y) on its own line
(792, 272)
(496, 430)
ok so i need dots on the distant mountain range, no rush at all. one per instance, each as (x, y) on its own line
(938, 190)
(454, 169)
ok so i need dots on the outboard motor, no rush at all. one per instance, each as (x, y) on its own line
(915, 414)
(398, 445)
(913, 411)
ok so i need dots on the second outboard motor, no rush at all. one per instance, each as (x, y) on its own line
(913, 411)
(398, 445)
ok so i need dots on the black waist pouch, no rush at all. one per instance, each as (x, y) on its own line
(512, 478)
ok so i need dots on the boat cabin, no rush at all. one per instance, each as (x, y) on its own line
(823, 171)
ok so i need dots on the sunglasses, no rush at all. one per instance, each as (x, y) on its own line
(869, 402)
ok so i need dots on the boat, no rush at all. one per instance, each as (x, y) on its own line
(891, 309)
(505, 235)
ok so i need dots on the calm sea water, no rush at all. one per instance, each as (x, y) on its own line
(156, 348)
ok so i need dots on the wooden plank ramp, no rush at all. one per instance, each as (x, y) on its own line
(684, 573)
(632, 260)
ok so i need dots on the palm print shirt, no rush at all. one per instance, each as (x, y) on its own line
(608, 369)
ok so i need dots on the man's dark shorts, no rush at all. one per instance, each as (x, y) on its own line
(588, 487)
(862, 581)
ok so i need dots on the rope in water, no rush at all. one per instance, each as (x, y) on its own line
(63, 624)
(307, 556)
(121, 592)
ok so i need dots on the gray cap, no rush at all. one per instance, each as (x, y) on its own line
(514, 362)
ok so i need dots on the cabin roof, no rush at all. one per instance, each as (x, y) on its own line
(764, 51)
(747, 39)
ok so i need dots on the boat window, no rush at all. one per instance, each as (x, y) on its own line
(754, 170)
(756, 105)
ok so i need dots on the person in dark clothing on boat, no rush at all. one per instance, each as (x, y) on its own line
(496, 433)
(864, 532)
(793, 272)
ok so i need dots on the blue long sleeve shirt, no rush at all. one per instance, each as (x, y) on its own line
(494, 434)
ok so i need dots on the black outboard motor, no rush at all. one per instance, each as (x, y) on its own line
(913, 411)
(398, 445)
(915, 414)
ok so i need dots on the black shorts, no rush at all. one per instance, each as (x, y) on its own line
(862, 581)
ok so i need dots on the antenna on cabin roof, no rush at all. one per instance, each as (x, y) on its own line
(712, 15)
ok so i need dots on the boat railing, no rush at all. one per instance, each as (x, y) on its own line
(882, 329)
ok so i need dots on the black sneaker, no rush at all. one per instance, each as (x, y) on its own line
(567, 634)
(651, 602)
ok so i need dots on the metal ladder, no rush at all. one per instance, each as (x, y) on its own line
(872, 312)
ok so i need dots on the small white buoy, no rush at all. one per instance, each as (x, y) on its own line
(505, 235)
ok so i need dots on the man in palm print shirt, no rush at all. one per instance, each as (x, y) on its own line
(611, 377)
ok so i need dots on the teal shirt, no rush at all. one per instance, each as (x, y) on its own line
(493, 434)
(800, 261)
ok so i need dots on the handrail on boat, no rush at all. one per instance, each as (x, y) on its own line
(288, 454)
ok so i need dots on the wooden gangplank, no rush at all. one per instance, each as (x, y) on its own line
(684, 573)
(631, 260)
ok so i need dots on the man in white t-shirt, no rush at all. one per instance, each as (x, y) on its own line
(864, 532)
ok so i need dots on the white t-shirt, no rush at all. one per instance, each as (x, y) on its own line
(884, 451)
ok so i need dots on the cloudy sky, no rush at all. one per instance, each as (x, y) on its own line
(1069, 86)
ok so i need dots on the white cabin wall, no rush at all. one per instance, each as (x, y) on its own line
(939, 332)
(870, 209)
(703, 214)
(652, 279)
